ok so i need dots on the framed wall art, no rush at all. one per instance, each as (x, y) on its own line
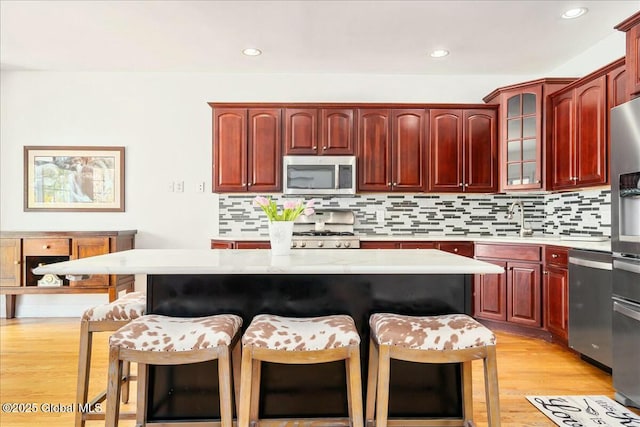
(78, 179)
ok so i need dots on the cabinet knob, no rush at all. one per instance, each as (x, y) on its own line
(315, 147)
(538, 182)
(324, 148)
(249, 184)
(460, 185)
(388, 184)
(546, 272)
(40, 264)
(16, 262)
(554, 255)
(395, 184)
(455, 250)
(466, 185)
(45, 246)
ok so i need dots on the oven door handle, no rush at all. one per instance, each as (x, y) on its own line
(625, 311)
(626, 266)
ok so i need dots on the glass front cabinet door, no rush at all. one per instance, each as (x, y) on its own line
(522, 132)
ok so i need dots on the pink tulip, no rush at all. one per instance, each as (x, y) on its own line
(308, 211)
(290, 204)
(310, 203)
(261, 201)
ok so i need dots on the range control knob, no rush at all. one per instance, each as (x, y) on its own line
(303, 244)
(320, 244)
(347, 244)
(338, 244)
(293, 244)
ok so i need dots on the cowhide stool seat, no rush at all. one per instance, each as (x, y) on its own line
(454, 338)
(162, 340)
(291, 340)
(104, 318)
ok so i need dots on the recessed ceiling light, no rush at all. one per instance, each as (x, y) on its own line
(574, 13)
(251, 51)
(439, 53)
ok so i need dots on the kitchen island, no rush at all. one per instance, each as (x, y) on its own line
(304, 283)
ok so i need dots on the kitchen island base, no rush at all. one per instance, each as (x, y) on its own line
(417, 391)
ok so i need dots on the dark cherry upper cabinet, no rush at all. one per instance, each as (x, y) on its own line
(301, 131)
(632, 27)
(445, 150)
(463, 150)
(408, 155)
(247, 149)
(480, 151)
(523, 131)
(579, 136)
(230, 149)
(617, 92)
(336, 131)
(391, 150)
(374, 150)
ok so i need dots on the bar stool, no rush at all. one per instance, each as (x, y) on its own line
(104, 318)
(291, 340)
(162, 340)
(454, 338)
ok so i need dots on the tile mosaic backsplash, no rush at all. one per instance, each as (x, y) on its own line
(573, 213)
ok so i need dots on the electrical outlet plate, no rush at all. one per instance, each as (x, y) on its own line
(179, 186)
(201, 187)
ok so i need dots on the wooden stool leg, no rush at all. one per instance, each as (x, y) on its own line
(467, 391)
(236, 362)
(491, 387)
(126, 373)
(255, 390)
(354, 380)
(84, 365)
(382, 401)
(245, 388)
(224, 379)
(141, 397)
(372, 381)
(113, 388)
(348, 372)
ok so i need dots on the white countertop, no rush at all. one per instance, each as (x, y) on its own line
(260, 261)
(578, 242)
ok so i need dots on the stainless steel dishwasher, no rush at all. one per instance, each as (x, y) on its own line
(590, 305)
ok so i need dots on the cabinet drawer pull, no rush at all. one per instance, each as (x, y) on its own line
(554, 255)
(45, 246)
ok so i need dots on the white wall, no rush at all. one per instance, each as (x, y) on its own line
(164, 122)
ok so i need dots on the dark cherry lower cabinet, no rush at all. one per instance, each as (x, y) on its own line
(556, 292)
(514, 296)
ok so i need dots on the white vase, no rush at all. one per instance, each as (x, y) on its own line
(280, 233)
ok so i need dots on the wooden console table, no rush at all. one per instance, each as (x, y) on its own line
(21, 251)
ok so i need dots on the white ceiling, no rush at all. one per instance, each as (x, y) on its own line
(366, 36)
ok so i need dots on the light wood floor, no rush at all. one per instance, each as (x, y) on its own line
(38, 362)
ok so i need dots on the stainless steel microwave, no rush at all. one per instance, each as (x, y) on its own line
(319, 175)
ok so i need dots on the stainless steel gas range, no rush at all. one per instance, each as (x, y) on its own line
(325, 229)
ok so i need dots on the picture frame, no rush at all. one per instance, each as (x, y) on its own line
(74, 179)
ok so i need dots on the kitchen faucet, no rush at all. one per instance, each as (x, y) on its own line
(524, 231)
